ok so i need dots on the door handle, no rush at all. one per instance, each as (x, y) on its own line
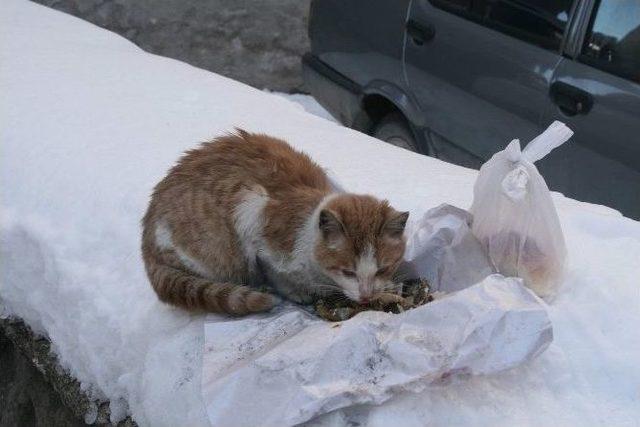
(570, 100)
(420, 32)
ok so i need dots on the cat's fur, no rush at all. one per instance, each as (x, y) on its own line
(247, 209)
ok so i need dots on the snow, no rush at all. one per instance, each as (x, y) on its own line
(90, 123)
(307, 103)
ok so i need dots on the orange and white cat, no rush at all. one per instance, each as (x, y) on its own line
(247, 210)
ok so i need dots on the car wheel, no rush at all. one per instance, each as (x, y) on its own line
(394, 129)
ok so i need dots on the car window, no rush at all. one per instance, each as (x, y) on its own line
(540, 22)
(613, 40)
(461, 7)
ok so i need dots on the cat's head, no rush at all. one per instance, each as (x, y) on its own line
(360, 244)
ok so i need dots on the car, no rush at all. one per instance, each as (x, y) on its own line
(459, 79)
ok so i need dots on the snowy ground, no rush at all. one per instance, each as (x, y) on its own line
(308, 104)
(89, 123)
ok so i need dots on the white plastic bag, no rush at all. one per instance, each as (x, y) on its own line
(442, 249)
(514, 216)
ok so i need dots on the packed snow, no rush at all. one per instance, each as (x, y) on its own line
(307, 103)
(90, 123)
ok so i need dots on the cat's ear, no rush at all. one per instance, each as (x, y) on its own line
(394, 227)
(330, 226)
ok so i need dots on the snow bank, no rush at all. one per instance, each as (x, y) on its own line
(90, 123)
(307, 103)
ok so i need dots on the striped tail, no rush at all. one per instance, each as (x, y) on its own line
(194, 293)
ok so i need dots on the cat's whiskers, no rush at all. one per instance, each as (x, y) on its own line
(391, 286)
(326, 288)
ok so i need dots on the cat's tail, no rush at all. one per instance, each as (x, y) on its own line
(194, 293)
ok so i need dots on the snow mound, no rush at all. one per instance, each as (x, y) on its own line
(90, 123)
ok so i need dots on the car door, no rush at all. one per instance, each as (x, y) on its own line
(480, 69)
(597, 91)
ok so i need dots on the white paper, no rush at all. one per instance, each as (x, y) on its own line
(287, 367)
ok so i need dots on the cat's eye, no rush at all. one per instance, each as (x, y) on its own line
(349, 273)
(382, 271)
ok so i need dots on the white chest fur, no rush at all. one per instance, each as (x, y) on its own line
(295, 274)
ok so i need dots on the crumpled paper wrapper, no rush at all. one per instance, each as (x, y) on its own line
(286, 367)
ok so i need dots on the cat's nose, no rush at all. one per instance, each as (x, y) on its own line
(365, 297)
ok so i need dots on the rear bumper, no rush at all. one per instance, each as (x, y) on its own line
(334, 91)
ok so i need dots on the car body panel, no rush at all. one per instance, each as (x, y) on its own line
(477, 87)
(601, 163)
(363, 46)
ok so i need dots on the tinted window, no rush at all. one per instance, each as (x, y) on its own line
(462, 7)
(613, 40)
(541, 22)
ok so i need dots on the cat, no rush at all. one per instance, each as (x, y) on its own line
(247, 210)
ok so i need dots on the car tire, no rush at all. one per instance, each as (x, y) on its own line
(394, 129)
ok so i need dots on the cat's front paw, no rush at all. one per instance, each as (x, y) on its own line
(257, 302)
(243, 300)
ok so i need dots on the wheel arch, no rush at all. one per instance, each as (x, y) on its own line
(380, 98)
